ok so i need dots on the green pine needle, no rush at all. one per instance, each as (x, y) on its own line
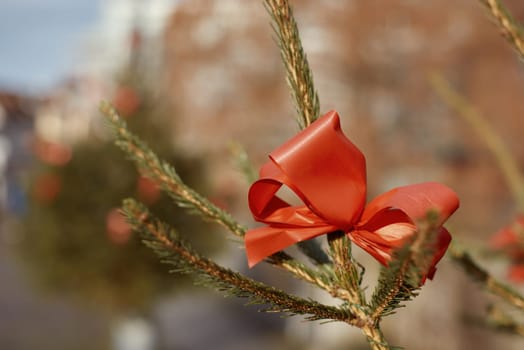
(172, 250)
(165, 174)
(401, 280)
(299, 75)
(398, 283)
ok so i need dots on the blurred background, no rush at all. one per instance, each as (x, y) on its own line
(191, 77)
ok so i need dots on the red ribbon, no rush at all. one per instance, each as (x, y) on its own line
(328, 173)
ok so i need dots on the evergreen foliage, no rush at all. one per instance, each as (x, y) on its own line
(402, 279)
(174, 251)
(299, 75)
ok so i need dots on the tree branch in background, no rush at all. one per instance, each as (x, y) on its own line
(505, 22)
(499, 320)
(487, 281)
(402, 279)
(173, 251)
(505, 159)
(165, 174)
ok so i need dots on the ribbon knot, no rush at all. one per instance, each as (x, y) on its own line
(328, 173)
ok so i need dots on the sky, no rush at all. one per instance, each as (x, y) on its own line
(40, 40)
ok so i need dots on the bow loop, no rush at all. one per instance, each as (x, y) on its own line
(325, 170)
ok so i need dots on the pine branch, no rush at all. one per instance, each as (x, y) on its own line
(299, 75)
(346, 271)
(317, 277)
(401, 280)
(168, 245)
(165, 174)
(396, 285)
(505, 22)
(346, 286)
(488, 282)
(507, 163)
(376, 339)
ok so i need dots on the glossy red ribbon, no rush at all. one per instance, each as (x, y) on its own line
(328, 173)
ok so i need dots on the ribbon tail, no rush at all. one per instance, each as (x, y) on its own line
(264, 241)
(374, 245)
(443, 240)
(382, 249)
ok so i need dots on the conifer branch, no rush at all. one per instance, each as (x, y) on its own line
(505, 159)
(299, 75)
(165, 174)
(346, 286)
(505, 22)
(317, 277)
(488, 282)
(168, 245)
(347, 274)
(401, 280)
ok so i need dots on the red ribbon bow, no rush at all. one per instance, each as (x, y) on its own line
(328, 173)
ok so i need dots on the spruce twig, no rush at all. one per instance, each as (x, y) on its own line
(347, 279)
(507, 25)
(346, 271)
(165, 174)
(505, 159)
(168, 245)
(401, 280)
(299, 75)
(488, 282)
